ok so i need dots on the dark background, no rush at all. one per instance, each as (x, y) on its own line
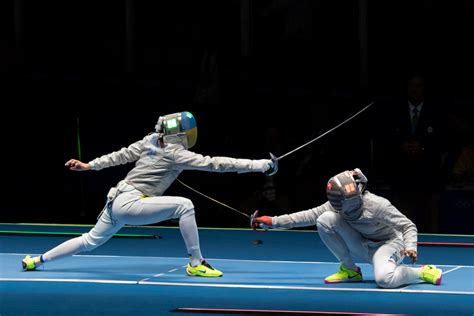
(259, 76)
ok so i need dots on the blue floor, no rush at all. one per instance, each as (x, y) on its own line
(284, 272)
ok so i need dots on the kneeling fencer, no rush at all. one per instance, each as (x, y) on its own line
(355, 223)
(138, 199)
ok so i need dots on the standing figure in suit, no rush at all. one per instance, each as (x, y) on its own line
(415, 152)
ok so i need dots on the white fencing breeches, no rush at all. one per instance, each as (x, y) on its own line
(131, 207)
(347, 245)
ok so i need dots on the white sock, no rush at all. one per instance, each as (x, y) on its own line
(37, 261)
(189, 231)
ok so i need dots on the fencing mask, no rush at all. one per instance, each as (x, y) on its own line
(178, 127)
(344, 192)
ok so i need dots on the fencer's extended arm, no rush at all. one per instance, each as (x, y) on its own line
(120, 157)
(187, 160)
(300, 219)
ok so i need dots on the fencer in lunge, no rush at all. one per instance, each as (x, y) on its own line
(356, 224)
(138, 199)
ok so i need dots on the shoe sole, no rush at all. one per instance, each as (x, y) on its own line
(344, 281)
(204, 276)
(25, 266)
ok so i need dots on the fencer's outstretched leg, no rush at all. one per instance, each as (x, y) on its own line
(98, 235)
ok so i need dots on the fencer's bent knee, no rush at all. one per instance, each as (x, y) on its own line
(385, 281)
(327, 221)
(186, 207)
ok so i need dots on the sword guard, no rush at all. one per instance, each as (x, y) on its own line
(255, 225)
(274, 168)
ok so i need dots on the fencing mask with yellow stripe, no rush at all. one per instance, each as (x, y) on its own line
(180, 127)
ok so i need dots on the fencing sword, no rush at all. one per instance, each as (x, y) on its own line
(274, 169)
